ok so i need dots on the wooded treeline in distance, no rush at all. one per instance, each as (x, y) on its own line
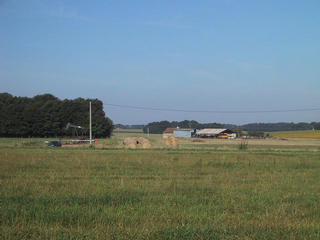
(47, 116)
(159, 127)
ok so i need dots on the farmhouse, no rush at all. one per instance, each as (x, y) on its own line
(183, 132)
(215, 132)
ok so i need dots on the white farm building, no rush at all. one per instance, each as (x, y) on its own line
(183, 132)
(215, 132)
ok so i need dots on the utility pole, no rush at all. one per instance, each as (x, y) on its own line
(148, 132)
(90, 123)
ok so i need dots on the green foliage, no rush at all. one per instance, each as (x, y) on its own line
(239, 132)
(282, 126)
(130, 127)
(315, 125)
(47, 116)
(256, 133)
(157, 127)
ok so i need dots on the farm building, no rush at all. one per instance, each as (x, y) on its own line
(168, 132)
(183, 132)
(215, 132)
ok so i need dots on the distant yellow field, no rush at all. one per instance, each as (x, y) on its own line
(296, 134)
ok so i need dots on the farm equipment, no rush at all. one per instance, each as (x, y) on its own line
(53, 144)
(223, 136)
(74, 129)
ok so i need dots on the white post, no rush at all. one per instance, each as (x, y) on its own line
(90, 123)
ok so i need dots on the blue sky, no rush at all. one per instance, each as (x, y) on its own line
(199, 55)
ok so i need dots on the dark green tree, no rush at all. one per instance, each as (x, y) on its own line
(47, 116)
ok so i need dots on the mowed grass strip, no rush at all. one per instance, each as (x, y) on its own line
(159, 194)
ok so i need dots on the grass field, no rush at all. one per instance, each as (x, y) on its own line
(206, 190)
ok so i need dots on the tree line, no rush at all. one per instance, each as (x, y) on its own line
(159, 127)
(47, 116)
(253, 128)
(134, 126)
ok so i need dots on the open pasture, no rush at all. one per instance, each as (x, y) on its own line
(163, 193)
(116, 142)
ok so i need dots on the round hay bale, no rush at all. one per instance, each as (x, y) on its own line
(131, 146)
(130, 141)
(141, 140)
(134, 142)
(146, 145)
(172, 141)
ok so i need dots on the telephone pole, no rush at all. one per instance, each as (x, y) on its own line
(90, 123)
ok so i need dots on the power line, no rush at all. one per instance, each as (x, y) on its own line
(212, 111)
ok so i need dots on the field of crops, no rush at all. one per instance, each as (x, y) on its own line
(297, 134)
(200, 193)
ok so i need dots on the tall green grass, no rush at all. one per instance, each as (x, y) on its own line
(159, 194)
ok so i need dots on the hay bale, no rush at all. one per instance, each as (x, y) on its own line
(130, 142)
(131, 146)
(172, 141)
(141, 140)
(145, 143)
(134, 142)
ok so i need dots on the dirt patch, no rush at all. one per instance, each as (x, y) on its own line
(197, 140)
